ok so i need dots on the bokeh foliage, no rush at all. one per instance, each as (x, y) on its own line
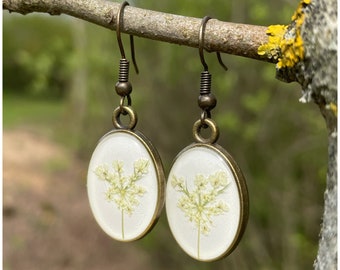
(279, 143)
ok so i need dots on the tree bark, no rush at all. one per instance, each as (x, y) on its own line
(318, 77)
(317, 74)
(313, 32)
(225, 37)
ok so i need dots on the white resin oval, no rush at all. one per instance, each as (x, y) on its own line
(125, 185)
(207, 202)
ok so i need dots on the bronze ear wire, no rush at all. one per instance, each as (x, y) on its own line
(206, 100)
(119, 39)
(201, 45)
(123, 86)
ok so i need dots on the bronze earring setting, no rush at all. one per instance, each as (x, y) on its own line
(125, 181)
(206, 195)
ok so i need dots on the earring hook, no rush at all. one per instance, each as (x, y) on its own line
(119, 39)
(201, 46)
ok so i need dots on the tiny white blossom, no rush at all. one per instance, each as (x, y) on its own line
(177, 183)
(200, 182)
(219, 179)
(141, 166)
(101, 171)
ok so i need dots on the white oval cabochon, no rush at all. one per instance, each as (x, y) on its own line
(122, 185)
(203, 203)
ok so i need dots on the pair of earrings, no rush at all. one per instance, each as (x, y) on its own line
(206, 195)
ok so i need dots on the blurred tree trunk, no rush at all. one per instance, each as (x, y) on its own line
(316, 71)
(77, 97)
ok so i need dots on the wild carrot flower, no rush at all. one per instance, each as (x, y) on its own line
(123, 190)
(202, 203)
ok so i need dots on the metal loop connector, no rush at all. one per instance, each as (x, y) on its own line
(205, 123)
(117, 123)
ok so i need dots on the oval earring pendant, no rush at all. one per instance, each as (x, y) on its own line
(125, 184)
(207, 201)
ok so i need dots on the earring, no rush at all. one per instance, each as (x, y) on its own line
(206, 195)
(125, 180)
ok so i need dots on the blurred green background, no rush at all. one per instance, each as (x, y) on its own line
(59, 75)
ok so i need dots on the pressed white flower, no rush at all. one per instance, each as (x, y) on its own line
(200, 182)
(221, 205)
(177, 183)
(101, 171)
(207, 197)
(182, 203)
(201, 204)
(141, 166)
(139, 190)
(122, 189)
(219, 179)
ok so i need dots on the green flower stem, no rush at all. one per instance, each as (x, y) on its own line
(198, 239)
(123, 234)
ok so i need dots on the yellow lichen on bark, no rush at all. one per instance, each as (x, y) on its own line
(334, 108)
(275, 36)
(285, 43)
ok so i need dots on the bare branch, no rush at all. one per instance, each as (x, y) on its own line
(231, 38)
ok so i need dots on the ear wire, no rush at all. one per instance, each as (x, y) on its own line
(119, 39)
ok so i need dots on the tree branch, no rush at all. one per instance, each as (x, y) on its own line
(231, 38)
